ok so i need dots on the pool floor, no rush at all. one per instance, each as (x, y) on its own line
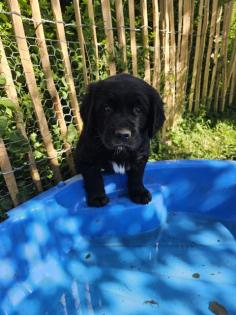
(186, 267)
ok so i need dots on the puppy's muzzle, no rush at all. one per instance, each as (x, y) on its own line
(123, 134)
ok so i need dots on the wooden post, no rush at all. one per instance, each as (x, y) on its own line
(232, 91)
(232, 65)
(121, 31)
(162, 5)
(228, 9)
(186, 42)
(32, 87)
(192, 32)
(183, 56)
(157, 48)
(106, 13)
(12, 95)
(94, 35)
(209, 51)
(8, 174)
(179, 51)
(133, 37)
(217, 90)
(196, 57)
(172, 74)
(201, 54)
(81, 38)
(66, 61)
(180, 29)
(215, 58)
(44, 57)
(167, 95)
(147, 74)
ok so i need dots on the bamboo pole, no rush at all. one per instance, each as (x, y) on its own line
(189, 19)
(232, 64)
(44, 57)
(8, 174)
(228, 9)
(186, 41)
(12, 95)
(172, 75)
(209, 51)
(147, 74)
(196, 57)
(179, 51)
(162, 4)
(192, 33)
(133, 37)
(215, 58)
(121, 32)
(94, 35)
(81, 39)
(167, 46)
(106, 13)
(180, 28)
(192, 21)
(201, 54)
(32, 87)
(183, 52)
(167, 68)
(217, 90)
(66, 61)
(232, 91)
(157, 48)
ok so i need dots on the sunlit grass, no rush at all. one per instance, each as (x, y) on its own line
(199, 137)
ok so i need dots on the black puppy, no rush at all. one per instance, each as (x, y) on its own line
(120, 115)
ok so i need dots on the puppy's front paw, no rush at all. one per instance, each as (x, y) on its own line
(141, 195)
(98, 200)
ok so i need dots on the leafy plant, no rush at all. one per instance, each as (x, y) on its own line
(200, 136)
(72, 134)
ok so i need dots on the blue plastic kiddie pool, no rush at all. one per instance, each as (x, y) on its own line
(176, 255)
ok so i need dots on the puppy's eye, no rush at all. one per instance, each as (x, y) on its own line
(137, 110)
(107, 108)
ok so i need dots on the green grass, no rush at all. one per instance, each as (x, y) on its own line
(199, 137)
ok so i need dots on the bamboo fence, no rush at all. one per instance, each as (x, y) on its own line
(185, 49)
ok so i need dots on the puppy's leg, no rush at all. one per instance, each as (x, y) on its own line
(137, 192)
(94, 186)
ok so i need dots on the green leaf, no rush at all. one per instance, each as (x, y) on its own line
(64, 95)
(8, 112)
(6, 102)
(3, 125)
(38, 154)
(17, 142)
(63, 80)
(5, 19)
(33, 136)
(72, 134)
(2, 80)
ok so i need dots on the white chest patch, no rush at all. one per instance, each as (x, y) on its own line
(120, 169)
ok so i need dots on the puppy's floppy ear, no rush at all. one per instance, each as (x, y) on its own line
(87, 107)
(156, 117)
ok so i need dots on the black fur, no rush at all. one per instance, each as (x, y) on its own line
(120, 115)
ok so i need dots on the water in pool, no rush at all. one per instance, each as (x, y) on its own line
(185, 267)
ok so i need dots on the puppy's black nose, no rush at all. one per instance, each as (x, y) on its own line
(123, 134)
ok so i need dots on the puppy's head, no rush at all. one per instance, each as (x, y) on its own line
(121, 110)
